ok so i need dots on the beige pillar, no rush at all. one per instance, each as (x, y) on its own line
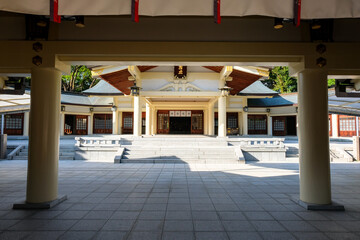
(335, 125)
(42, 178)
(315, 184)
(245, 123)
(89, 122)
(154, 121)
(137, 116)
(120, 122)
(206, 121)
(62, 123)
(240, 123)
(269, 125)
(148, 120)
(26, 124)
(115, 121)
(222, 116)
(211, 119)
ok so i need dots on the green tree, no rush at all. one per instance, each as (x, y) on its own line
(279, 80)
(79, 80)
(331, 83)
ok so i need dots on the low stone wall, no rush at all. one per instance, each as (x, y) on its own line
(266, 155)
(97, 148)
(261, 149)
(100, 154)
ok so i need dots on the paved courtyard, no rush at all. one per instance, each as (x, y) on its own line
(178, 201)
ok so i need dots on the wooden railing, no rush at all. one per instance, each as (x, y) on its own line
(98, 141)
(262, 142)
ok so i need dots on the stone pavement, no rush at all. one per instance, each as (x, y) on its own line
(178, 201)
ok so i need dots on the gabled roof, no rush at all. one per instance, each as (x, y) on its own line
(257, 89)
(102, 88)
(240, 81)
(277, 101)
(120, 79)
(82, 100)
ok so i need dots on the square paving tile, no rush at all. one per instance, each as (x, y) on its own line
(178, 236)
(178, 201)
(110, 235)
(88, 225)
(208, 226)
(149, 225)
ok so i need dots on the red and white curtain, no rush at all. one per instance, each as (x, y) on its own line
(311, 9)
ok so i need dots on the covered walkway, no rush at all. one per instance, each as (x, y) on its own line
(178, 201)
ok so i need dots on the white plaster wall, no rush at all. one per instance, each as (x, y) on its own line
(206, 84)
(124, 102)
(153, 84)
(257, 110)
(76, 109)
(291, 110)
(152, 81)
(102, 110)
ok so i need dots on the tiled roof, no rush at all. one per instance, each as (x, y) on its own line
(103, 88)
(78, 99)
(277, 101)
(257, 89)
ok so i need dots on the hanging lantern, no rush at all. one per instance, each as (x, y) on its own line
(135, 90)
(225, 91)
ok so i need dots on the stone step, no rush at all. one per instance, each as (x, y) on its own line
(189, 152)
(181, 145)
(20, 157)
(60, 157)
(192, 161)
(178, 148)
(176, 157)
(71, 154)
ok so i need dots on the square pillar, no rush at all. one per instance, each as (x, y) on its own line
(211, 118)
(335, 125)
(269, 123)
(120, 122)
(222, 116)
(154, 121)
(62, 123)
(2, 123)
(26, 124)
(90, 124)
(148, 120)
(245, 123)
(315, 183)
(206, 121)
(115, 121)
(137, 116)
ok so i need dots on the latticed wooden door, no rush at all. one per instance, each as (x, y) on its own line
(163, 122)
(81, 126)
(197, 122)
(257, 124)
(128, 122)
(279, 126)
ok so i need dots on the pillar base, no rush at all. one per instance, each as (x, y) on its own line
(45, 205)
(320, 207)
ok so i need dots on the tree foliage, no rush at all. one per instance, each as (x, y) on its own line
(280, 81)
(331, 83)
(79, 80)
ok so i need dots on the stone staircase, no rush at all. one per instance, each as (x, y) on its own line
(336, 154)
(180, 150)
(65, 153)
